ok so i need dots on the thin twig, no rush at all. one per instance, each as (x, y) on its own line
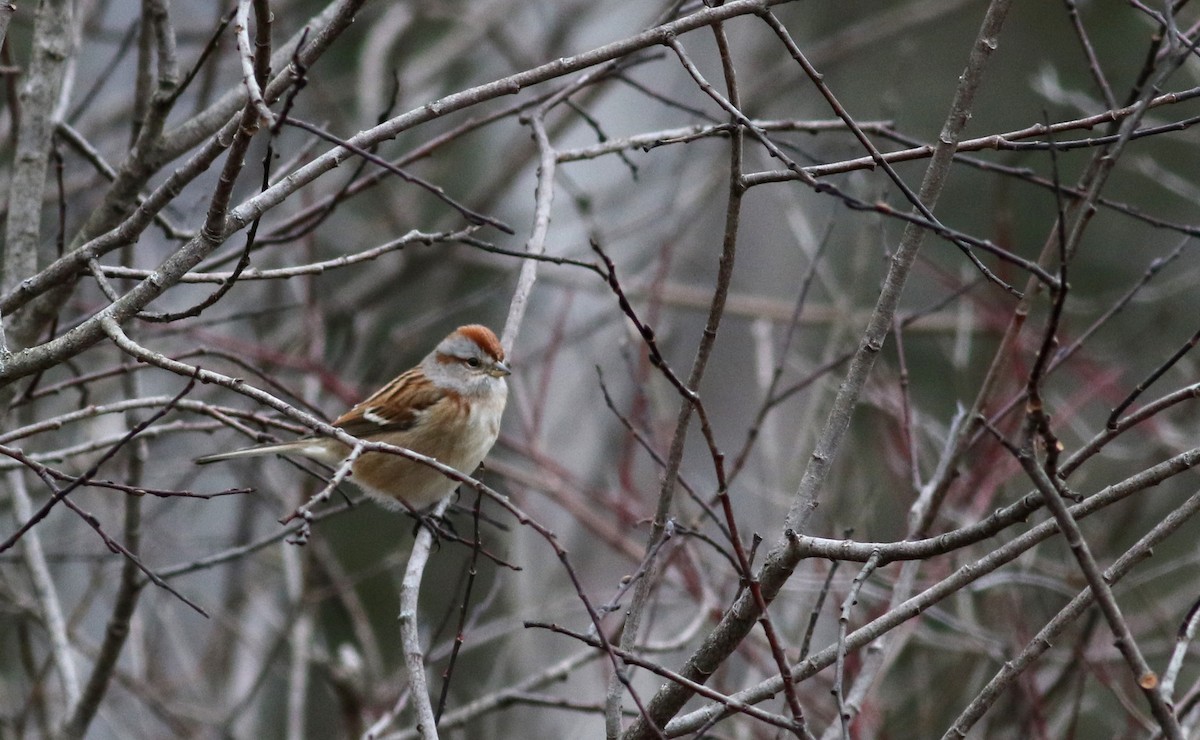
(839, 678)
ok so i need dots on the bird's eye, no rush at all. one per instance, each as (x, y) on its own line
(473, 362)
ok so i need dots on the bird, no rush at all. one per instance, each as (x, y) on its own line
(448, 407)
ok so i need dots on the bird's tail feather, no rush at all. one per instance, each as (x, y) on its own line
(277, 448)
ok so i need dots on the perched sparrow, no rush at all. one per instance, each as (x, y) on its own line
(448, 408)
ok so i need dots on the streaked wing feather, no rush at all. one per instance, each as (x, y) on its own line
(394, 408)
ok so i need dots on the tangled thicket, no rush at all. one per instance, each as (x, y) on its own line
(854, 378)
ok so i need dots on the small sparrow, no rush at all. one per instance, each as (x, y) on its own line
(448, 407)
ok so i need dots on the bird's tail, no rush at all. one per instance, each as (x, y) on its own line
(277, 448)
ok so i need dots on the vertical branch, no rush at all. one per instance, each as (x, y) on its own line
(144, 81)
(908, 431)
(44, 590)
(39, 97)
(254, 59)
(122, 197)
(299, 638)
(839, 681)
(137, 168)
(410, 632)
(543, 200)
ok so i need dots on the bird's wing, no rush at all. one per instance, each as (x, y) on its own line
(396, 407)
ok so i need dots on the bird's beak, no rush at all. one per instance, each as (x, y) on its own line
(499, 370)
